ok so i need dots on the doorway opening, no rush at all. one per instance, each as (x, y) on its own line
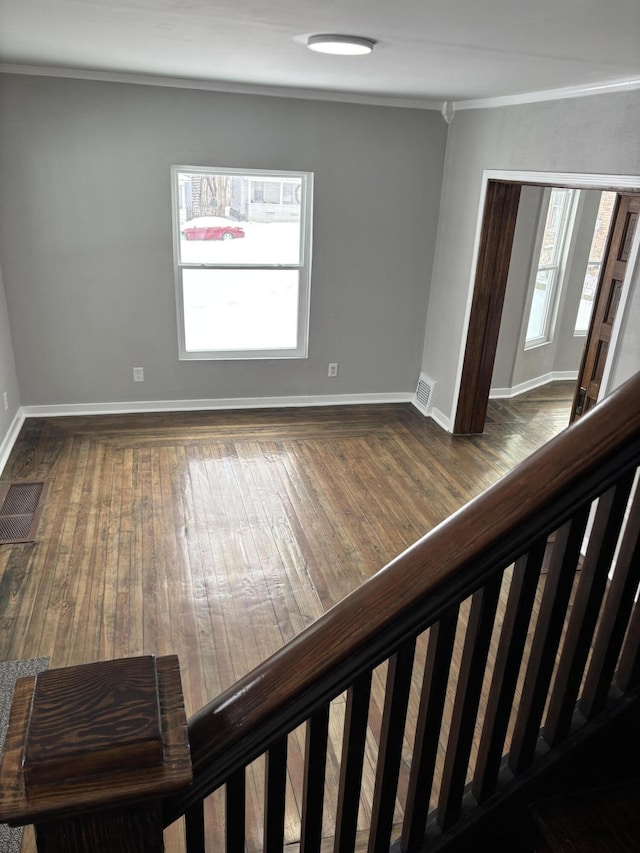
(500, 210)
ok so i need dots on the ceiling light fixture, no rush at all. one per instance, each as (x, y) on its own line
(341, 45)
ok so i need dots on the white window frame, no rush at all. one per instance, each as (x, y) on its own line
(303, 267)
(557, 269)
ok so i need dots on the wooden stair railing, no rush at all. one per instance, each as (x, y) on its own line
(503, 637)
(570, 646)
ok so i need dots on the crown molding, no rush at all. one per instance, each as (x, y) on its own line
(447, 107)
(222, 86)
(549, 95)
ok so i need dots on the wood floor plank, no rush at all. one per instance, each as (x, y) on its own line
(218, 536)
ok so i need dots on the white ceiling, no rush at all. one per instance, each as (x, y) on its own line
(427, 51)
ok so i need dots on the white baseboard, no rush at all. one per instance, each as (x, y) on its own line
(434, 414)
(441, 419)
(530, 384)
(133, 407)
(6, 445)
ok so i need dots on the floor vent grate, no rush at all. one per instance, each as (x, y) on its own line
(21, 506)
(423, 393)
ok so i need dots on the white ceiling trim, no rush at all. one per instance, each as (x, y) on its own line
(447, 108)
(549, 95)
(219, 86)
(578, 180)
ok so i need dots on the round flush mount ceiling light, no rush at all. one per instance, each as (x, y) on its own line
(340, 45)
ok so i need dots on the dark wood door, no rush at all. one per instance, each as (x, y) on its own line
(606, 302)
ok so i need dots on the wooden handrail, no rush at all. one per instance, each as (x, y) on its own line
(448, 564)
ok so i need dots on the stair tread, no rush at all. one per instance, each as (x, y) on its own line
(602, 820)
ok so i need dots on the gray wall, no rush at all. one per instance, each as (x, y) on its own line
(8, 378)
(85, 232)
(85, 236)
(597, 134)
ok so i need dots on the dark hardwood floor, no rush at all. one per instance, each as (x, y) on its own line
(218, 536)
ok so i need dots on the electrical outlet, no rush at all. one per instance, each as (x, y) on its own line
(333, 369)
(138, 374)
(5, 400)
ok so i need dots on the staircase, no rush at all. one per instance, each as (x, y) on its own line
(555, 812)
(513, 631)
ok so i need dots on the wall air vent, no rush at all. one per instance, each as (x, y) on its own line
(424, 394)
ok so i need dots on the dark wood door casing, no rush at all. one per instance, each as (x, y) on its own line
(606, 302)
(496, 241)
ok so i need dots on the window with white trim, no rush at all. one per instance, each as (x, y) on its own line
(242, 247)
(549, 269)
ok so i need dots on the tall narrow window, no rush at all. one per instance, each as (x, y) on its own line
(596, 255)
(242, 243)
(548, 273)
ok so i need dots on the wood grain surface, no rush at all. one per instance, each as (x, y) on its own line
(42, 803)
(218, 536)
(91, 719)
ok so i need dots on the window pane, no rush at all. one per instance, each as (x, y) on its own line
(240, 309)
(554, 227)
(540, 304)
(290, 192)
(234, 219)
(549, 269)
(257, 192)
(272, 192)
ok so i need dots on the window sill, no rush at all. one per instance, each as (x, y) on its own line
(535, 344)
(265, 355)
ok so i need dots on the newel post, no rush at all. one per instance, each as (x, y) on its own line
(90, 753)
